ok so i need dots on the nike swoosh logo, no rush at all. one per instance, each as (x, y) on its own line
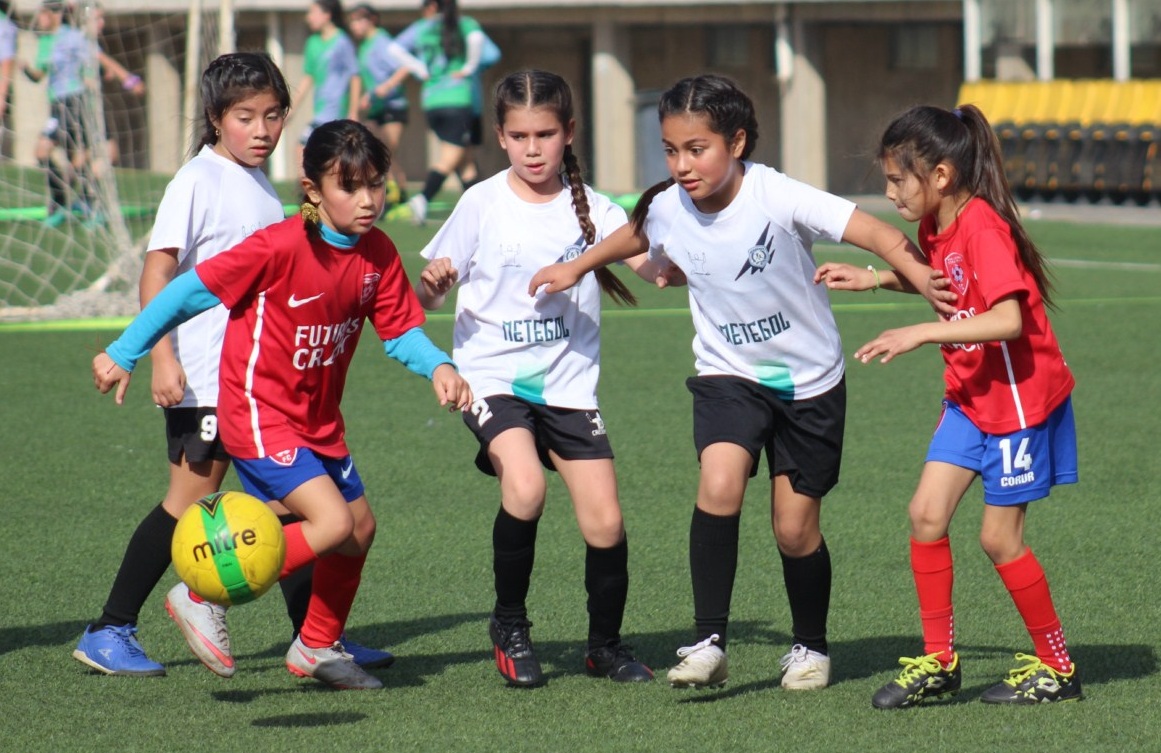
(347, 471)
(296, 302)
(307, 657)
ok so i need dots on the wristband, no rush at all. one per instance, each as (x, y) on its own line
(871, 268)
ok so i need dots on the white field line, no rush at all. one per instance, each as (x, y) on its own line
(1118, 266)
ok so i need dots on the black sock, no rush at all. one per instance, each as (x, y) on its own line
(296, 586)
(713, 562)
(808, 588)
(432, 183)
(57, 189)
(146, 559)
(607, 583)
(513, 554)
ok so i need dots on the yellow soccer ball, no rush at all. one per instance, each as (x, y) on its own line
(229, 548)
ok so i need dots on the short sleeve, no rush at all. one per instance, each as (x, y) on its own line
(397, 308)
(992, 255)
(459, 238)
(181, 217)
(247, 269)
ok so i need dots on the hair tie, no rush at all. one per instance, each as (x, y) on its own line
(309, 213)
(958, 113)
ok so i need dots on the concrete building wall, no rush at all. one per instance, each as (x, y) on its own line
(845, 72)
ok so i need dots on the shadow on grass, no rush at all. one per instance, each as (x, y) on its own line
(51, 634)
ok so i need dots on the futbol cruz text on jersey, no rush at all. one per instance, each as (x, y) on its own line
(312, 342)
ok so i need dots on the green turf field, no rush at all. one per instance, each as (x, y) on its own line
(79, 473)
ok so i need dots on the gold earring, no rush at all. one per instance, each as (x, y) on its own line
(309, 212)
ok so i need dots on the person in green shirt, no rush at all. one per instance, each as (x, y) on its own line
(448, 46)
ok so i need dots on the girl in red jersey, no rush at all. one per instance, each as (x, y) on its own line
(298, 293)
(1007, 411)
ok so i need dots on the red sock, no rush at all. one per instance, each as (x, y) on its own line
(336, 580)
(1024, 578)
(298, 552)
(932, 567)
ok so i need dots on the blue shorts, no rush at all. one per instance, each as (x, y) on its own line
(1016, 468)
(273, 479)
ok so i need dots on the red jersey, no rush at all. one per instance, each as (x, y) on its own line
(1001, 386)
(297, 307)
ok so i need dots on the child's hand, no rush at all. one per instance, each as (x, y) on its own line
(451, 388)
(168, 383)
(939, 294)
(554, 278)
(891, 343)
(107, 374)
(438, 277)
(838, 276)
(670, 276)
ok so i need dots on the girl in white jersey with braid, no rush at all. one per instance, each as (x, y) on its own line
(534, 365)
(768, 356)
(299, 294)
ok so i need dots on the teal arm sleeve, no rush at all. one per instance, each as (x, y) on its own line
(414, 350)
(183, 298)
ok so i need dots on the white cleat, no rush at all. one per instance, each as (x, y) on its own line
(804, 669)
(203, 625)
(703, 665)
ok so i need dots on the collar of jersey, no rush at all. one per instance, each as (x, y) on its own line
(337, 239)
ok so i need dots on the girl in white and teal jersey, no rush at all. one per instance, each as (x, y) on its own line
(448, 46)
(770, 372)
(64, 55)
(331, 67)
(383, 106)
(533, 365)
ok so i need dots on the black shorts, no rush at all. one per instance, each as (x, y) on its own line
(66, 125)
(477, 135)
(452, 125)
(388, 115)
(803, 439)
(193, 433)
(571, 434)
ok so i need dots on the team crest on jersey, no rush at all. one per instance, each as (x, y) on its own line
(574, 249)
(597, 422)
(956, 272)
(759, 254)
(370, 285)
(285, 458)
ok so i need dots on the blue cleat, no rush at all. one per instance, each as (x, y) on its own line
(367, 658)
(114, 650)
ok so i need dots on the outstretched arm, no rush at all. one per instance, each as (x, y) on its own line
(181, 300)
(622, 244)
(419, 354)
(891, 245)
(1002, 321)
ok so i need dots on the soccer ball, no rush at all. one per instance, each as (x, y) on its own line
(228, 548)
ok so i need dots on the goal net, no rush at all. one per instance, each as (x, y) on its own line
(137, 113)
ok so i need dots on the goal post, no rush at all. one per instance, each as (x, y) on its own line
(84, 261)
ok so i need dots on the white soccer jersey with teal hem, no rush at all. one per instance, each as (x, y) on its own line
(756, 310)
(546, 349)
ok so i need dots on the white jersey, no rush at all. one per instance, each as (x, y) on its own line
(546, 349)
(757, 313)
(211, 205)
